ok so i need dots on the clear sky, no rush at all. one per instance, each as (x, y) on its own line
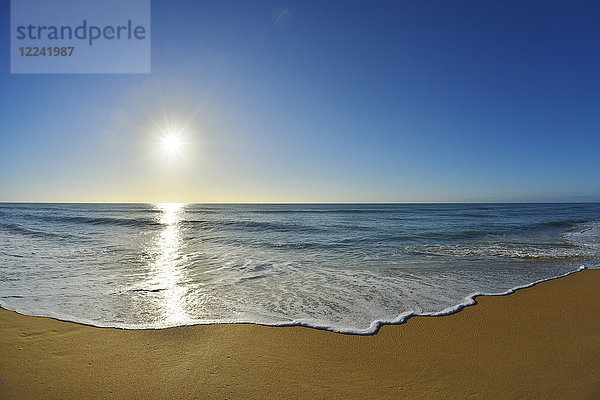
(318, 101)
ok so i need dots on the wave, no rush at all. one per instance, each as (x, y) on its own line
(361, 210)
(503, 250)
(79, 219)
(492, 231)
(19, 229)
(585, 235)
(467, 234)
(254, 225)
(560, 223)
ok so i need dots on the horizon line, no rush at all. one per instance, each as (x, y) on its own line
(298, 202)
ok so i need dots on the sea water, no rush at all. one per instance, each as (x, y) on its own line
(342, 267)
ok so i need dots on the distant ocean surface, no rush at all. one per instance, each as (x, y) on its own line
(346, 268)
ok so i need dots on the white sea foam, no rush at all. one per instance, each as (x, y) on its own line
(585, 234)
(373, 327)
(503, 250)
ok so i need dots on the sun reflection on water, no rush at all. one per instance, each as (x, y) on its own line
(168, 266)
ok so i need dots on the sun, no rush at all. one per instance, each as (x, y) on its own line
(172, 143)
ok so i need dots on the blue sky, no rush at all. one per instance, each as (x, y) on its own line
(335, 101)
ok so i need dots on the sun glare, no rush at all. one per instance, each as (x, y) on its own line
(172, 143)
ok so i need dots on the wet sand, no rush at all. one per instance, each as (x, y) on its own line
(540, 342)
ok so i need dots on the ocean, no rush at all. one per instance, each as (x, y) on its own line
(342, 267)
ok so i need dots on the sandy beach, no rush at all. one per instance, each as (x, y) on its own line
(540, 342)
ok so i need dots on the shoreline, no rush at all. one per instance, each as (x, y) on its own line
(376, 326)
(539, 341)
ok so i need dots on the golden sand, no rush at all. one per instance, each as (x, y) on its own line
(541, 343)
